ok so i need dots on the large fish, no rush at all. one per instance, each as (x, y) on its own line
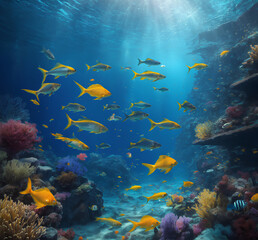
(149, 62)
(154, 76)
(197, 66)
(147, 222)
(145, 144)
(46, 88)
(165, 124)
(98, 67)
(136, 115)
(140, 104)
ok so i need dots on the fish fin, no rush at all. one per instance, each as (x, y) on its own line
(135, 75)
(28, 189)
(131, 105)
(147, 198)
(151, 167)
(98, 98)
(83, 89)
(135, 225)
(44, 72)
(57, 77)
(95, 70)
(153, 124)
(69, 122)
(142, 149)
(142, 78)
(132, 145)
(155, 88)
(168, 170)
(104, 107)
(155, 80)
(140, 61)
(148, 229)
(32, 92)
(38, 204)
(58, 65)
(185, 110)
(180, 106)
(88, 67)
(126, 117)
(161, 157)
(189, 68)
(63, 107)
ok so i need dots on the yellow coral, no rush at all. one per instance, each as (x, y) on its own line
(15, 171)
(18, 222)
(253, 55)
(169, 202)
(204, 130)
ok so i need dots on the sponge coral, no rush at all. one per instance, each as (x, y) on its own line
(16, 136)
(18, 222)
(204, 130)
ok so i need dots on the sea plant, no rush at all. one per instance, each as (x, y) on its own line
(204, 130)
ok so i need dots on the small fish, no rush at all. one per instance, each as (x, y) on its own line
(217, 88)
(156, 196)
(121, 214)
(243, 149)
(227, 125)
(187, 184)
(111, 107)
(116, 232)
(205, 109)
(238, 205)
(80, 238)
(119, 177)
(187, 106)
(115, 118)
(224, 53)
(109, 221)
(165, 124)
(197, 66)
(46, 89)
(40, 146)
(136, 115)
(255, 151)
(92, 80)
(126, 68)
(164, 181)
(48, 54)
(195, 172)
(210, 170)
(145, 144)
(42, 197)
(34, 101)
(154, 76)
(58, 71)
(52, 119)
(163, 89)
(41, 150)
(74, 107)
(208, 153)
(149, 62)
(254, 198)
(134, 188)
(140, 104)
(44, 125)
(195, 88)
(129, 155)
(94, 90)
(98, 67)
(147, 222)
(94, 208)
(103, 174)
(163, 66)
(103, 146)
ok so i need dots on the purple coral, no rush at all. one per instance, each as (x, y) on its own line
(174, 228)
(71, 164)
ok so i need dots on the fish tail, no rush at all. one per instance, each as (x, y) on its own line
(147, 198)
(83, 90)
(98, 219)
(63, 107)
(44, 72)
(131, 145)
(135, 74)
(154, 88)
(126, 117)
(140, 61)
(104, 107)
(97, 146)
(180, 106)
(88, 67)
(32, 92)
(28, 189)
(189, 68)
(153, 124)
(131, 105)
(151, 168)
(135, 225)
(69, 122)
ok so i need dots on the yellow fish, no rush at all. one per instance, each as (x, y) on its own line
(121, 214)
(86, 125)
(109, 221)
(34, 101)
(44, 125)
(98, 67)
(197, 66)
(57, 71)
(94, 90)
(164, 181)
(147, 222)
(165, 163)
(224, 53)
(135, 187)
(254, 198)
(119, 177)
(52, 119)
(165, 124)
(46, 88)
(154, 76)
(42, 197)
(187, 184)
(156, 196)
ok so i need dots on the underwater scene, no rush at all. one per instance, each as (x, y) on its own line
(129, 120)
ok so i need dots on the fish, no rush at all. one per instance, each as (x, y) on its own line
(113, 117)
(44, 125)
(145, 144)
(57, 71)
(195, 172)
(103, 174)
(116, 232)
(98, 67)
(163, 66)
(208, 153)
(163, 89)
(140, 104)
(255, 151)
(87, 125)
(94, 208)
(187, 184)
(210, 170)
(74, 107)
(238, 205)
(164, 181)
(94, 90)
(126, 68)
(52, 119)
(195, 88)
(134, 188)
(129, 155)
(224, 53)
(109, 221)
(80, 238)
(34, 101)
(122, 214)
(48, 54)
(165, 124)
(164, 163)
(254, 198)
(148, 222)
(42, 197)
(154, 76)
(197, 66)
(92, 80)
(136, 115)
(119, 177)
(187, 106)
(45, 89)
(103, 146)
(111, 106)
(149, 62)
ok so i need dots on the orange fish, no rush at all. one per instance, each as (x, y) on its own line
(116, 232)
(195, 172)
(92, 80)
(80, 238)
(208, 153)
(195, 88)
(123, 237)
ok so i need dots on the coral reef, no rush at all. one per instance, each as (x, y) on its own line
(204, 130)
(68, 234)
(219, 232)
(225, 186)
(67, 180)
(235, 111)
(253, 56)
(18, 222)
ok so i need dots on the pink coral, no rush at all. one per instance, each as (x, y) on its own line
(68, 234)
(235, 111)
(62, 196)
(82, 156)
(16, 136)
(192, 196)
(225, 186)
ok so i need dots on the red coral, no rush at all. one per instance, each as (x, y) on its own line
(235, 111)
(244, 175)
(68, 234)
(16, 136)
(225, 187)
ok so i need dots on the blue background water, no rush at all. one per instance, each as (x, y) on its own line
(116, 33)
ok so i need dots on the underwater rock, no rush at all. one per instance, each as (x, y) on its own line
(219, 232)
(50, 234)
(9, 190)
(46, 172)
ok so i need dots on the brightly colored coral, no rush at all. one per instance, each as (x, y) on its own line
(71, 164)
(18, 222)
(204, 130)
(68, 234)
